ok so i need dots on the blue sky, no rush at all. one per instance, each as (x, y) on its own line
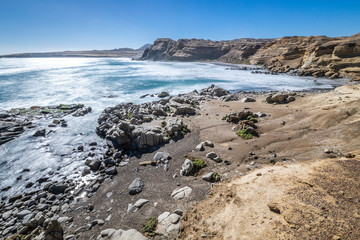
(52, 25)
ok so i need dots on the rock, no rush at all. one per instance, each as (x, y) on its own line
(42, 206)
(112, 234)
(208, 176)
(274, 207)
(200, 147)
(291, 99)
(94, 165)
(279, 98)
(64, 219)
(207, 143)
(139, 203)
(248, 99)
(40, 133)
(36, 221)
(11, 229)
(136, 186)
(57, 188)
(14, 198)
(168, 225)
(328, 151)
(181, 193)
(183, 110)
(349, 155)
(179, 212)
(109, 162)
(53, 231)
(260, 114)
(82, 111)
(211, 155)
(163, 94)
(111, 171)
(161, 156)
(29, 185)
(23, 213)
(186, 167)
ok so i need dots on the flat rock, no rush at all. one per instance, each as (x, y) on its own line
(181, 193)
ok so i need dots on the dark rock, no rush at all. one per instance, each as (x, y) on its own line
(40, 133)
(111, 171)
(136, 186)
(57, 188)
(14, 198)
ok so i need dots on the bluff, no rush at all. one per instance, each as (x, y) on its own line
(310, 56)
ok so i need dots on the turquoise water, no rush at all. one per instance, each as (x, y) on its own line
(51, 81)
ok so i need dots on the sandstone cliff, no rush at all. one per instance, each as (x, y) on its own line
(315, 55)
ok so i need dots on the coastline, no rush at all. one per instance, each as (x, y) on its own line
(290, 134)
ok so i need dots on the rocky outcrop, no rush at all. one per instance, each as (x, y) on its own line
(200, 49)
(317, 56)
(129, 126)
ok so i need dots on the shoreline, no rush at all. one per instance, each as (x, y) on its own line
(206, 124)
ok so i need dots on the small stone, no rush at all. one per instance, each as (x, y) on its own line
(208, 176)
(200, 147)
(274, 207)
(111, 170)
(141, 202)
(328, 151)
(136, 186)
(203, 235)
(211, 155)
(349, 155)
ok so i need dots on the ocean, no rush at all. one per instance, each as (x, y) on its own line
(100, 83)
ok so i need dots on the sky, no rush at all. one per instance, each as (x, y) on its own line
(56, 25)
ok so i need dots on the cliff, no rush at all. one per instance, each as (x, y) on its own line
(311, 56)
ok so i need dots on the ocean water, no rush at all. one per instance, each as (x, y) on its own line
(90, 81)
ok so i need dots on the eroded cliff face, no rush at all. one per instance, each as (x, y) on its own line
(311, 56)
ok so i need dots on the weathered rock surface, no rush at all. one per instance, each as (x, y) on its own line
(181, 193)
(168, 225)
(316, 56)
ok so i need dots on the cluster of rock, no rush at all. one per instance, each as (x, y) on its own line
(317, 56)
(16, 121)
(130, 126)
(245, 120)
(12, 125)
(280, 98)
(36, 212)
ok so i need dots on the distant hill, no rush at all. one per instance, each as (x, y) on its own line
(118, 52)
